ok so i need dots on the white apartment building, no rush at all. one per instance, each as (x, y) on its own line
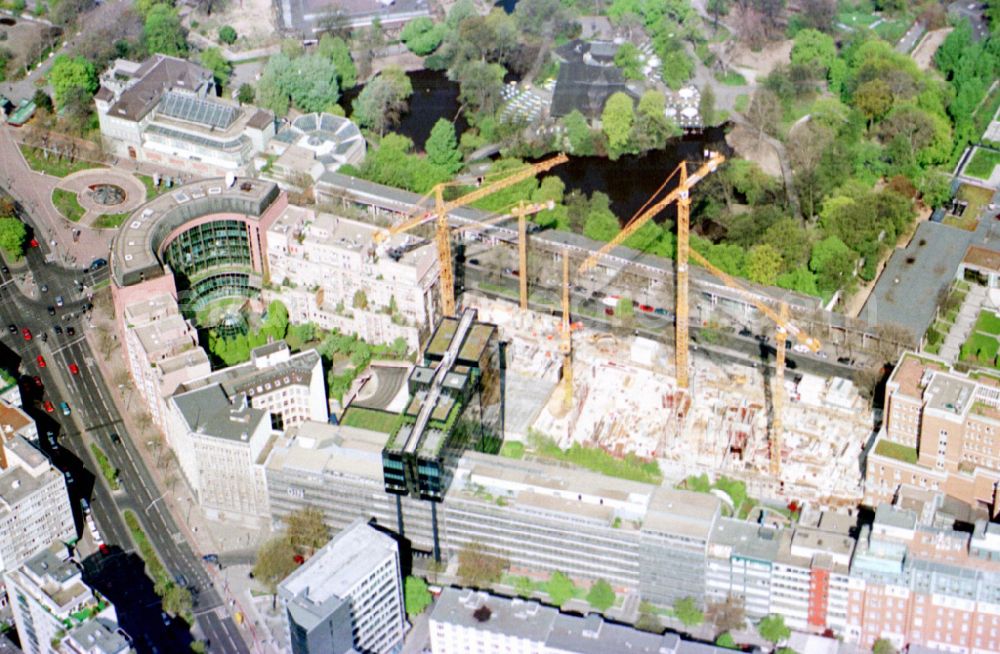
(318, 264)
(222, 427)
(162, 352)
(34, 504)
(473, 622)
(55, 611)
(347, 597)
(14, 422)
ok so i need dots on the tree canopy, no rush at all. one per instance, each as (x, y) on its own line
(616, 121)
(163, 32)
(383, 100)
(13, 234)
(72, 74)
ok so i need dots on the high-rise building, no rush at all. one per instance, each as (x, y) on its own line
(347, 597)
(34, 504)
(941, 432)
(55, 611)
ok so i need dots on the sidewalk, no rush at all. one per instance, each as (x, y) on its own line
(204, 536)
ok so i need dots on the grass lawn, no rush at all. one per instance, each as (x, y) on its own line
(980, 348)
(380, 421)
(110, 220)
(598, 460)
(512, 450)
(987, 110)
(967, 222)
(892, 30)
(55, 166)
(151, 190)
(988, 322)
(982, 163)
(856, 18)
(977, 197)
(732, 78)
(741, 103)
(896, 451)
(67, 204)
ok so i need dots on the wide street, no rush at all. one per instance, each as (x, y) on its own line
(94, 417)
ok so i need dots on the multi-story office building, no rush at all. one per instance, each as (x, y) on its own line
(347, 597)
(55, 611)
(471, 622)
(941, 432)
(35, 508)
(164, 110)
(221, 427)
(161, 350)
(328, 270)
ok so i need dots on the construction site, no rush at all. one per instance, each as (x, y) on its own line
(694, 408)
(626, 400)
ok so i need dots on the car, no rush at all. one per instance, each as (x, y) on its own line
(65, 408)
(608, 311)
(70, 331)
(473, 262)
(210, 558)
(41, 361)
(12, 328)
(33, 243)
(49, 408)
(104, 549)
(69, 477)
(74, 369)
(800, 348)
(44, 288)
(5, 270)
(845, 361)
(746, 332)
(26, 333)
(57, 329)
(663, 312)
(181, 580)
(51, 310)
(508, 271)
(165, 618)
(579, 289)
(45, 337)
(84, 505)
(37, 380)
(115, 438)
(59, 301)
(646, 308)
(97, 264)
(53, 443)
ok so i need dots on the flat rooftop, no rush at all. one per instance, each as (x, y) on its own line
(135, 252)
(910, 371)
(687, 513)
(16, 484)
(950, 394)
(210, 411)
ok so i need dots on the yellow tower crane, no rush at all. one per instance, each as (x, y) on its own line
(442, 231)
(785, 328)
(566, 340)
(681, 195)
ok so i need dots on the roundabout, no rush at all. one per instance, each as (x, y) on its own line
(99, 198)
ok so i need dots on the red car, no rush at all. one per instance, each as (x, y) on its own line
(73, 368)
(646, 308)
(37, 380)
(104, 549)
(41, 361)
(33, 243)
(49, 408)
(26, 333)
(608, 311)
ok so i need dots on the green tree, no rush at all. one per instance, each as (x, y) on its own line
(480, 85)
(306, 530)
(212, 59)
(814, 49)
(275, 561)
(601, 224)
(624, 308)
(560, 588)
(773, 629)
(246, 93)
(199, 647)
(163, 33)
(726, 640)
(873, 99)
(687, 611)
(627, 58)
(601, 595)
(12, 237)
(883, 646)
(336, 50)
(578, 133)
(477, 566)
(42, 100)
(227, 34)
(383, 100)
(616, 122)
(706, 105)
(833, 262)
(422, 36)
(177, 600)
(69, 74)
(801, 280)
(442, 146)
(416, 596)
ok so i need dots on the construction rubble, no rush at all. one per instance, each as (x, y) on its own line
(626, 401)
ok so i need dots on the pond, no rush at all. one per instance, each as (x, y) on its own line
(628, 182)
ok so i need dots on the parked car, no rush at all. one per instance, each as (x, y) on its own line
(12, 328)
(65, 408)
(97, 264)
